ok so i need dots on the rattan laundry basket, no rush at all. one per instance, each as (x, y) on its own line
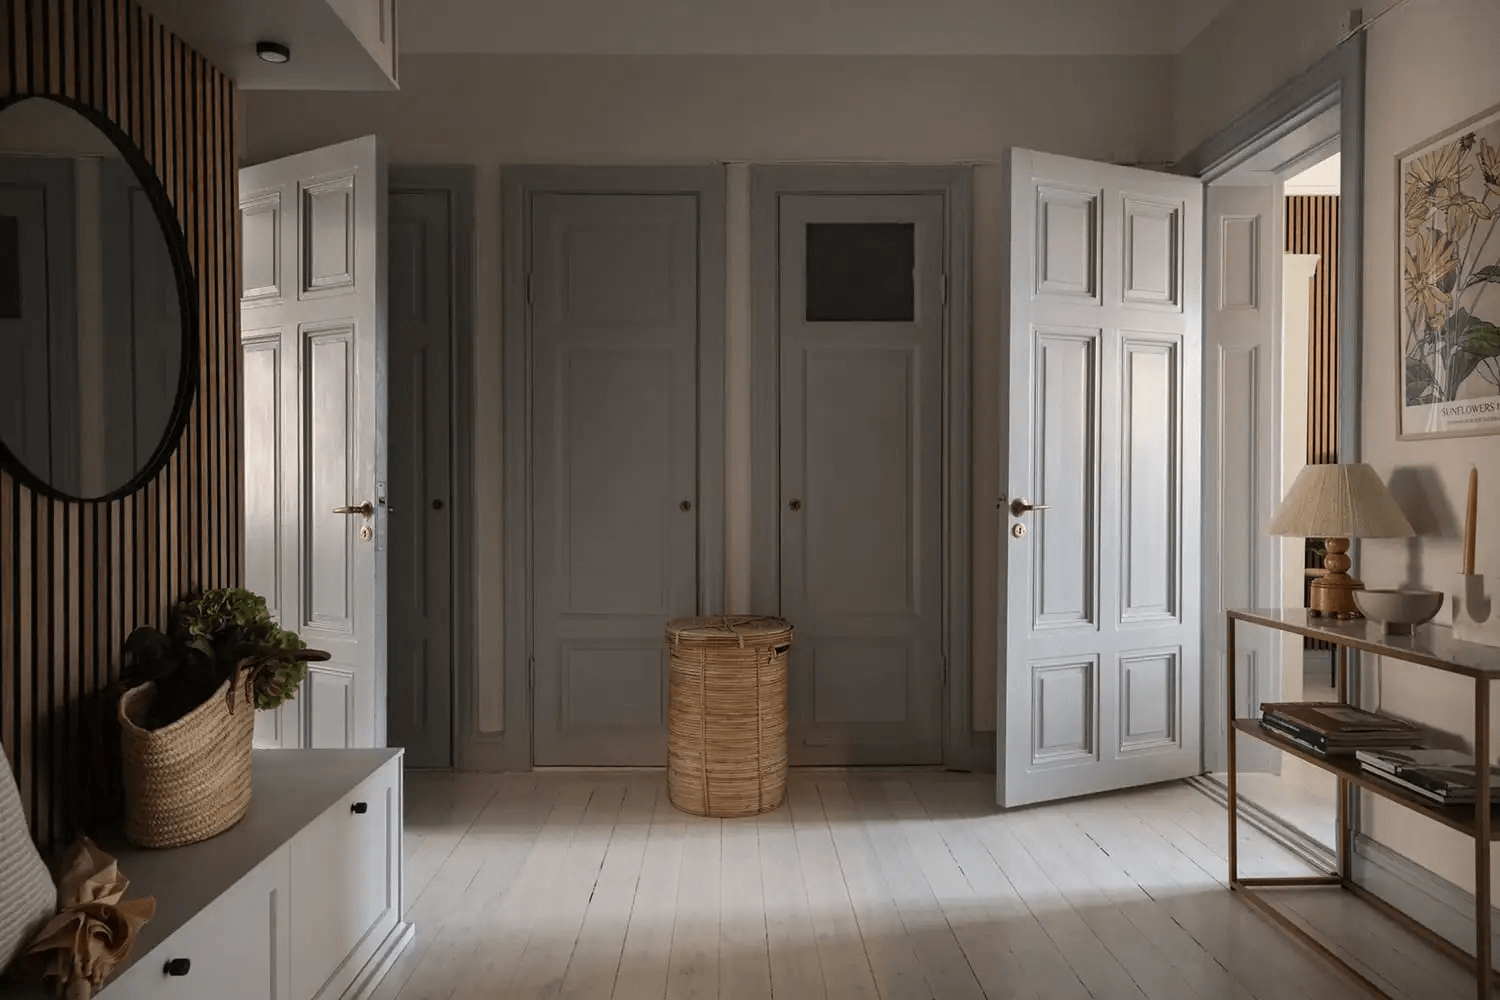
(190, 780)
(726, 726)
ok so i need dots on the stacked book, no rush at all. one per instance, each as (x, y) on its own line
(1445, 777)
(1328, 727)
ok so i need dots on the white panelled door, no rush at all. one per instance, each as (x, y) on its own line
(1100, 659)
(313, 317)
(1242, 452)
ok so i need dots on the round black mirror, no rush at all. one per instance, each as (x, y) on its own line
(97, 306)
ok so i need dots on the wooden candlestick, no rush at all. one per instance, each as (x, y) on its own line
(1470, 527)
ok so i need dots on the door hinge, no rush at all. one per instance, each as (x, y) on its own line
(945, 291)
(531, 673)
(945, 672)
(528, 288)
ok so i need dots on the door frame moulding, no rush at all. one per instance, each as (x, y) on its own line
(963, 749)
(511, 749)
(458, 183)
(1338, 79)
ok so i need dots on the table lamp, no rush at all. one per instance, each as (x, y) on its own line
(1337, 503)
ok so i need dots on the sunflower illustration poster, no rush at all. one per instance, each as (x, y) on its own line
(1450, 284)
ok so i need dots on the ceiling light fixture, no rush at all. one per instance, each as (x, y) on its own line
(273, 52)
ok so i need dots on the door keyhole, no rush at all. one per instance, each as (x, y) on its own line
(437, 505)
(685, 506)
(794, 505)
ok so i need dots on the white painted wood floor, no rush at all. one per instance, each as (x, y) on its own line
(894, 885)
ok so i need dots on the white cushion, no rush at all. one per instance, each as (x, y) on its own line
(27, 896)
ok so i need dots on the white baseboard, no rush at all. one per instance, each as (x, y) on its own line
(1260, 818)
(1425, 896)
(1421, 894)
(380, 963)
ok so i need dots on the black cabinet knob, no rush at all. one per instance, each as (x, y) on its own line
(178, 967)
(360, 808)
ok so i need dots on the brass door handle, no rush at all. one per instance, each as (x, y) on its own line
(1019, 506)
(365, 508)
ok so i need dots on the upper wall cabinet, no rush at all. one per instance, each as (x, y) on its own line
(334, 44)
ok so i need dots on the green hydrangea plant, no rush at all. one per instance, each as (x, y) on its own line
(276, 658)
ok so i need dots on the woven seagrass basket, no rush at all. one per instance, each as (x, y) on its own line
(190, 780)
(726, 721)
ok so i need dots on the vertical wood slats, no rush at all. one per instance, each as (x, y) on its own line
(1312, 226)
(75, 578)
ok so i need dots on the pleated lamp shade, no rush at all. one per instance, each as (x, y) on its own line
(1340, 501)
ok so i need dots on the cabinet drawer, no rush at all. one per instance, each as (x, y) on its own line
(344, 869)
(235, 949)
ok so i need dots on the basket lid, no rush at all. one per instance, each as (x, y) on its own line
(738, 628)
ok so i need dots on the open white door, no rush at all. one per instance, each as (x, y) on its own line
(313, 334)
(1242, 449)
(1100, 659)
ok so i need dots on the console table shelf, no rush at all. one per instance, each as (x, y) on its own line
(1429, 647)
(1460, 818)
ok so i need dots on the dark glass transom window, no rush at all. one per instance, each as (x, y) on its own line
(861, 272)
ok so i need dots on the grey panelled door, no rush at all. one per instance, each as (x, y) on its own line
(313, 230)
(38, 326)
(614, 333)
(1100, 667)
(141, 346)
(1241, 450)
(421, 304)
(861, 333)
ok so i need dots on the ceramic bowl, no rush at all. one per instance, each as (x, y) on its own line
(1399, 611)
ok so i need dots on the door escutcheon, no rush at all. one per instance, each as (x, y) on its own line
(1018, 531)
(794, 505)
(685, 506)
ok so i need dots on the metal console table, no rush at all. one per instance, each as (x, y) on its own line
(1429, 647)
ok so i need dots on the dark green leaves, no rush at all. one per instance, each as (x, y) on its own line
(1484, 274)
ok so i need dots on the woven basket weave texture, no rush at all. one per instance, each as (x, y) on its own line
(188, 781)
(727, 715)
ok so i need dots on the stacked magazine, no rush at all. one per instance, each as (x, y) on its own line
(1446, 777)
(1329, 727)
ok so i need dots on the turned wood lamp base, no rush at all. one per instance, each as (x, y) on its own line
(1332, 594)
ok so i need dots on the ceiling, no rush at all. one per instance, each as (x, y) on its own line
(1323, 177)
(805, 27)
(327, 55)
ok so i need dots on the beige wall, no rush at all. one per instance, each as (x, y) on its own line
(1431, 65)
(492, 110)
(1253, 47)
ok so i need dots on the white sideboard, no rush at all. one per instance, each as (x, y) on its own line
(301, 899)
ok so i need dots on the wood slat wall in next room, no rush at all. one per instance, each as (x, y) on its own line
(1312, 226)
(75, 578)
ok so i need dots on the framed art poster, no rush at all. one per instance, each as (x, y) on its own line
(1450, 283)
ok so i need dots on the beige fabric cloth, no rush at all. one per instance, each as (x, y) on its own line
(93, 930)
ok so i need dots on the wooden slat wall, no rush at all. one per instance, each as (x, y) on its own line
(76, 577)
(1312, 226)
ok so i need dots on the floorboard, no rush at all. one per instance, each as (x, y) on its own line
(866, 885)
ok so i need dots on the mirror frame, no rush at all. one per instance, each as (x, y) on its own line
(187, 307)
